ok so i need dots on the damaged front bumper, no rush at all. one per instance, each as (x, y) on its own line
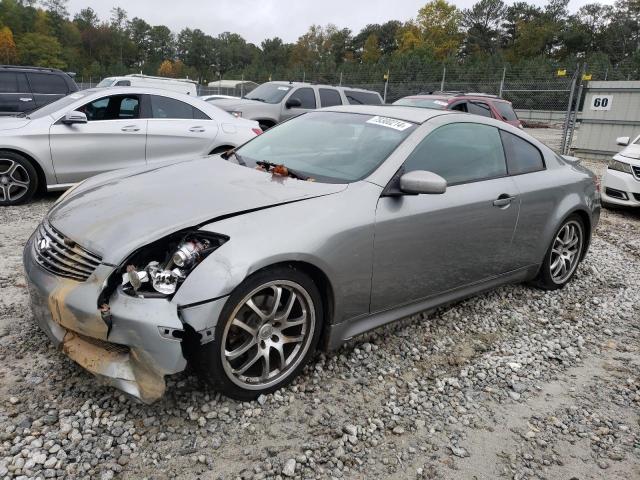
(145, 341)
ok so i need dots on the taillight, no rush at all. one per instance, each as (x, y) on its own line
(257, 131)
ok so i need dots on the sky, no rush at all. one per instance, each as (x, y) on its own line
(256, 20)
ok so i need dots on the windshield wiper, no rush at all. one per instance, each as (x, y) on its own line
(276, 168)
(257, 99)
(233, 152)
(22, 115)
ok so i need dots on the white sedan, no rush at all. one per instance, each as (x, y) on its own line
(621, 181)
(97, 130)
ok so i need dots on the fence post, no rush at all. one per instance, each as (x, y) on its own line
(504, 72)
(444, 74)
(565, 128)
(340, 78)
(242, 86)
(386, 83)
(304, 76)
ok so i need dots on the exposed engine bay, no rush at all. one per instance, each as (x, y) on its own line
(158, 270)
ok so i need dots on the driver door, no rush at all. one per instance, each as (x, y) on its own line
(114, 137)
(428, 244)
(308, 102)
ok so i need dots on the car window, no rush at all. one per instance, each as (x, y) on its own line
(460, 153)
(47, 84)
(522, 157)
(116, 107)
(9, 83)
(362, 98)
(165, 107)
(506, 111)
(306, 96)
(329, 97)
(460, 107)
(329, 146)
(123, 83)
(479, 108)
(200, 115)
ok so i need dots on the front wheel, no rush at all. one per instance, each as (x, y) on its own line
(564, 254)
(267, 331)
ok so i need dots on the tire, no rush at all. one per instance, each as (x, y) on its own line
(18, 179)
(247, 355)
(563, 256)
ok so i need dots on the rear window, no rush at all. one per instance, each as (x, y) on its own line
(362, 98)
(329, 97)
(47, 83)
(479, 108)
(435, 103)
(506, 111)
(522, 157)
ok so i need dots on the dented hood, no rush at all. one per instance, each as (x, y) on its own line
(116, 213)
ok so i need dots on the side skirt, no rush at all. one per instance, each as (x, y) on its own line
(341, 332)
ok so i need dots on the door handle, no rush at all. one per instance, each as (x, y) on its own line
(197, 129)
(131, 128)
(503, 200)
(26, 99)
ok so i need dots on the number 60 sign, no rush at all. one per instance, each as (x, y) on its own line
(601, 102)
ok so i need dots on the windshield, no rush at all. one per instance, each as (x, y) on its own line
(268, 93)
(59, 104)
(107, 82)
(434, 103)
(328, 147)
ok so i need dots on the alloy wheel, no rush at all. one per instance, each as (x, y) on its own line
(14, 180)
(268, 334)
(565, 253)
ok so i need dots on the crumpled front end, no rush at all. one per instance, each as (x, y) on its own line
(131, 345)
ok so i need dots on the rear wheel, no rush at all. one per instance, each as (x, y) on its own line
(267, 331)
(18, 179)
(564, 254)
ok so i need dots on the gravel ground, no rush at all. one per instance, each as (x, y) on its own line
(517, 383)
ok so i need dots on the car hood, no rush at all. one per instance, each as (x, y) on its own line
(237, 105)
(632, 151)
(11, 123)
(122, 211)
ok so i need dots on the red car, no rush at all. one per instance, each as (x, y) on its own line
(476, 103)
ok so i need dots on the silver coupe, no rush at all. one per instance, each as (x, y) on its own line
(331, 224)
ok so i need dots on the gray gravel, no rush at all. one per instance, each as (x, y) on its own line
(516, 383)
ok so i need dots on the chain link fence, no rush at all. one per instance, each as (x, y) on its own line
(546, 100)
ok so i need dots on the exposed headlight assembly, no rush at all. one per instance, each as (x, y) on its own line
(620, 166)
(158, 269)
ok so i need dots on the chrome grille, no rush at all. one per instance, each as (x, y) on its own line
(636, 171)
(62, 256)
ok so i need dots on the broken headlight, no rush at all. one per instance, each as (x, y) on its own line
(158, 269)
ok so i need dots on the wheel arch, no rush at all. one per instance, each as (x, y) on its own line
(42, 179)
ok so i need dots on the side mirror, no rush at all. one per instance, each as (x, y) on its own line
(293, 103)
(73, 117)
(623, 141)
(421, 181)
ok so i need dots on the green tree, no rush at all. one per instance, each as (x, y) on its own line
(371, 52)
(484, 22)
(41, 50)
(440, 24)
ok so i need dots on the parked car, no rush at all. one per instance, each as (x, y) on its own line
(93, 131)
(178, 85)
(477, 103)
(273, 102)
(621, 181)
(328, 225)
(213, 98)
(24, 89)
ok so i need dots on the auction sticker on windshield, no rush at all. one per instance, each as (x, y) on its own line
(389, 123)
(286, 89)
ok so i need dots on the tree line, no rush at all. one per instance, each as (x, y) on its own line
(480, 39)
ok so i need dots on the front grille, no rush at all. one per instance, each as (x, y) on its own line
(612, 192)
(636, 171)
(104, 345)
(62, 256)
